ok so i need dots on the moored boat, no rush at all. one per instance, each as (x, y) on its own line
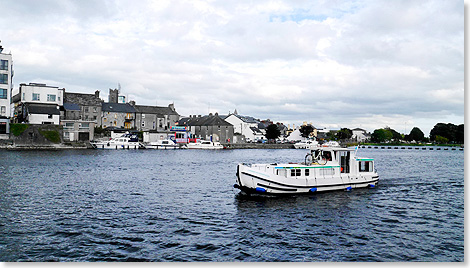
(164, 145)
(211, 145)
(126, 141)
(305, 144)
(324, 169)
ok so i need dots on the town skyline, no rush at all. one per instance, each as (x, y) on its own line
(351, 64)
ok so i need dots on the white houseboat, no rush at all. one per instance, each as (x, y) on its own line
(305, 144)
(126, 141)
(165, 145)
(324, 169)
(205, 145)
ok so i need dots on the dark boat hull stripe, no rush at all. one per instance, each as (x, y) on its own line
(305, 186)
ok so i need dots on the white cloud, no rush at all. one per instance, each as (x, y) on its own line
(364, 62)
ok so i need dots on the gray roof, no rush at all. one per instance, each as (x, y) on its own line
(36, 108)
(117, 107)
(244, 118)
(82, 99)
(256, 130)
(207, 120)
(71, 106)
(154, 110)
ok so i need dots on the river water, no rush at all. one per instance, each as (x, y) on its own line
(152, 205)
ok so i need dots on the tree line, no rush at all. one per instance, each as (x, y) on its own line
(441, 133)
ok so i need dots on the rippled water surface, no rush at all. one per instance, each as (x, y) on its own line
(151, 205)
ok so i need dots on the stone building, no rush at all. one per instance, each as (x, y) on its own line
(81, 106)
(120, 115)
(155, 117)
(209, 127)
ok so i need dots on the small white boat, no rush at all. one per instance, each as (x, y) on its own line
(205, 145)
(324, 169)
(126, 141)
(164, 145)
(331, 144)
(305, 144)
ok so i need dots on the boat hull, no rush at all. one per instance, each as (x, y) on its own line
(115, 146)
(161, 147)
(252, 180)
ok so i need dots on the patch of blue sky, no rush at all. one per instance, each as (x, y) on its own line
(298, 17)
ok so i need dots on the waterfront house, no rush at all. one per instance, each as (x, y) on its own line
(37, 103)
(359, 135)
(82, 106)
(155, 118)
(121, 115)
(78, 130)
(245, 125)
(209, 127)
(6, 88)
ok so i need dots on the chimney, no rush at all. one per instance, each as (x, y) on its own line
(97, 93)
(171, 106)
(132, 103)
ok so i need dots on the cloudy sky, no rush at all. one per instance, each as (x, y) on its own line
(367, 64)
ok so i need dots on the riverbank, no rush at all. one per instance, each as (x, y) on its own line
(9, 145)
(257, 146)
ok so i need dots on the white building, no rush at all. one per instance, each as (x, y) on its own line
(38, 104)
(6, 87)
(359, 134)
(245, 125)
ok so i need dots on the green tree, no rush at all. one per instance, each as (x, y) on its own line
(448, 131)
(381, 135)
(272, 132)
(344, 134)
(331, 135)
(459, 135)
(415, 135)
(441, 140)
(306, 130)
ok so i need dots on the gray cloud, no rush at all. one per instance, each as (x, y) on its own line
(335, 63)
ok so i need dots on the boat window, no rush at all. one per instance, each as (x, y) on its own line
(164, 142)
(365, 166)
(327, 156)
(326, 171)
(295, 172)
(307, 172)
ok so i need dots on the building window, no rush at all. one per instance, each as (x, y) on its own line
(49, 116)
(85, 109)
(36, 97)
(3, 110)
(68, 126)
(50, 97)
(3, 93)
(4, 65)
(307, 172)
(3, 78)
(83, 126)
